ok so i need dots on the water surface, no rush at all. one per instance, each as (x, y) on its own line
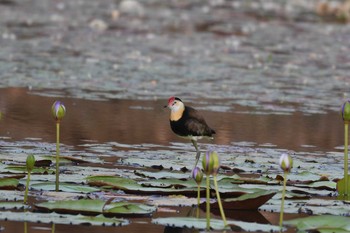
(28, 115)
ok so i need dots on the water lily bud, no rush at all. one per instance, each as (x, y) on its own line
(211, 163)
(286, 162)
(345, 111)
(197, 175)
(30, 162)
(58, 110)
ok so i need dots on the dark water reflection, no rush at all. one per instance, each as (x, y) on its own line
(133, 122)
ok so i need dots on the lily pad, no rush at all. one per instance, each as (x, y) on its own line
(200, 223)
(249, 201)
(8, 183)
(13, 205)
(322, 223)
(131, 186)
(88, 206)
(162, 174)
(23, 169)
(65, 187)
(98, 220)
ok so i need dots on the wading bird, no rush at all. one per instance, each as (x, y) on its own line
(186, 122)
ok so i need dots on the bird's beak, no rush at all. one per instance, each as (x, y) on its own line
(165, 106)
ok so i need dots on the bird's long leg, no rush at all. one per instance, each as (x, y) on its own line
(194, 142)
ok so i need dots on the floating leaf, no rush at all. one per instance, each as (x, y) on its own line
(322, 223)
(65, 187)
(88, 206)
(163, 174)
(249, 201)
(12, 205)
(23, 169)
(341, 186)
(322, 185)
(200, 223)
(131, 186)
(98, 220)
(11, 195)
(8, 183)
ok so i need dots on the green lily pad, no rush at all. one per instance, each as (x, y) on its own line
(64, 187)
(249, 201)
(200, 223)
(170, 183)
(341, 186)
(322, 185)
(88, 206)
(23, 169)
(98, 220)
(75, 159)
(13, 205)
(131, 186)
(163, 174)
(8, 183)
(322, 223)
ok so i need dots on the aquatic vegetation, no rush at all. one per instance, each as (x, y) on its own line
(211, 165)
(286, 164)
(30, 162)
(321, 223)
(58, 111)
(95, 207)
(197, 175)
(168, 188)
(343, 184)
(216, 224)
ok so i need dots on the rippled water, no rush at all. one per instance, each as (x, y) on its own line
(264, 73)
(27, 115)
(276, 55)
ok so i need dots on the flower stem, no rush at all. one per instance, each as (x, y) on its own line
(27, 188)
(208, 203)
(346, 136)
(57, 155)
(219, 201)
(283, 195)
(198, 199)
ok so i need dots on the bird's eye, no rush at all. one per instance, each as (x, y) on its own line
(174, 103)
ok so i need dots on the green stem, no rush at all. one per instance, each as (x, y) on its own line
(27, 188)
(53, 228)
(25, 227)
(282, 203)
(198, 199)
(346, 131)
(219, 201)
(57, 155)
(208, 203)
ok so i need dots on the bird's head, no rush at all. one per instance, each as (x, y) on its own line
(175, 104)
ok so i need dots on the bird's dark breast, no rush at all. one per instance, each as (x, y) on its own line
(191, 124)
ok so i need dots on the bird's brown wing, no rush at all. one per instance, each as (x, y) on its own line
(196, 124)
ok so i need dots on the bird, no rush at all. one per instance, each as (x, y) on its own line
(187, 122)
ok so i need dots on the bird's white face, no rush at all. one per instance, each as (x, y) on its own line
(177, 108)
(175, 105)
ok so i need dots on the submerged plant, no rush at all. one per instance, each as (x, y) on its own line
(197, 175)
(286, 164)
(30, 162)
(211, 165)
(58, 111)
(345, 113)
